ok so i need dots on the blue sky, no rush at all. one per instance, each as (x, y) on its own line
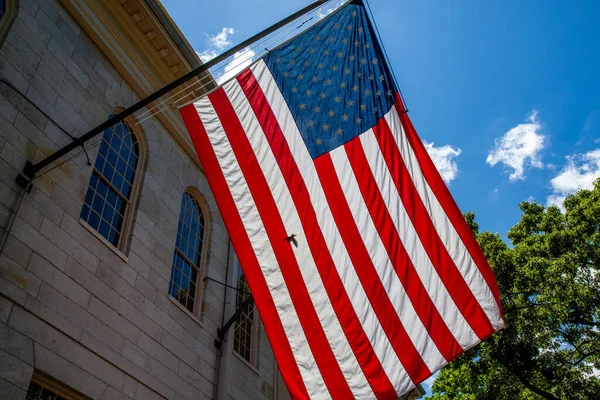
(471, 72)
(506, 92)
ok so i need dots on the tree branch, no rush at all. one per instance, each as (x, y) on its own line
(527, 384)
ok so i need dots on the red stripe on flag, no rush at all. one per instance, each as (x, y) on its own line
(422, 303)
(441, 260)
(286, 260)
(243, 248)
(359, 342)
(410, 358)
(450, 207)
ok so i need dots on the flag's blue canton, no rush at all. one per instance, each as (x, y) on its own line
(334, 79)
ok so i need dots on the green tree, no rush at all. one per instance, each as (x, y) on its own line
(550, 293)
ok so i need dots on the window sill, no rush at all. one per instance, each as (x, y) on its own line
(185, 310)
(103, 240)
(246, 362)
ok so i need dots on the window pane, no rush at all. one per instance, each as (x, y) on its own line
(244, 338)
(105, 201)
(186, 259)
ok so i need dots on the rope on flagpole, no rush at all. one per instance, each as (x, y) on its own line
(387, 59)
(275, 39)
(290, 28)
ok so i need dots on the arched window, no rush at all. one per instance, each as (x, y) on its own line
(8, 12)
(187, 258)
(107, 206)
(245, 333)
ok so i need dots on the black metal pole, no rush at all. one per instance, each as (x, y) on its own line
(223, 330)
(31, 169)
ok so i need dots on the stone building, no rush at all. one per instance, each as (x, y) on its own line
(112, 266)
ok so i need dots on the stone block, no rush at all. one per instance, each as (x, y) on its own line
(129, 386)
(12, 291)
(23, 49)
(91, 283)
(144, 236)
(74, 352)
(73, 248)
(111, 393)
(123, 288)
(139, 319)
(144, 393)
(16, 344)
(11, 56)
(145, 288)
(52, 72)
(8, 71)
(139, 265)
(156, 350)
(14, 370)
(173, 380)
(53, 317)
(163, 320)
(179, 350)
(17, 250)
(71, 115)
(126, 365)
(66, 202)
(31, 215)
(7, 109)
(19, 276)
(207, 354)
(191, 324)
(52, 364)
(70, 30)
(113, 319)
(46, 206)
(11, 392)
(39, 243)
(158, 281)
(103, 70)
(28, 6)
(59, 281)
(5, 308)
(149, 258)
(117, 273)
(56, 35)
(34, 328)
(70, 186)
(195, 379)
(134, 354)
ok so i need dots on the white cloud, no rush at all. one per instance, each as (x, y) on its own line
(444, 159)
(519, 148)
(240, 61)
(216, 44)
(323, 13)
(580, 173)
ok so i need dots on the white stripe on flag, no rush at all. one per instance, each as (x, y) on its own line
(380, 342)
(434, 286)
(404, 308)
(262, 248)
(287, 209)
(446, 231)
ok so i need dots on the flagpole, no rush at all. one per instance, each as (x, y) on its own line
(30, 170)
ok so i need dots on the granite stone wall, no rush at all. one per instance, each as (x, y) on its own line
(95, 318)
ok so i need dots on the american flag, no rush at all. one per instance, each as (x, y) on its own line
(386, 284)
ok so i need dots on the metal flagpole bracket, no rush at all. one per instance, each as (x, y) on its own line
(223, 330)
(241, 309)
